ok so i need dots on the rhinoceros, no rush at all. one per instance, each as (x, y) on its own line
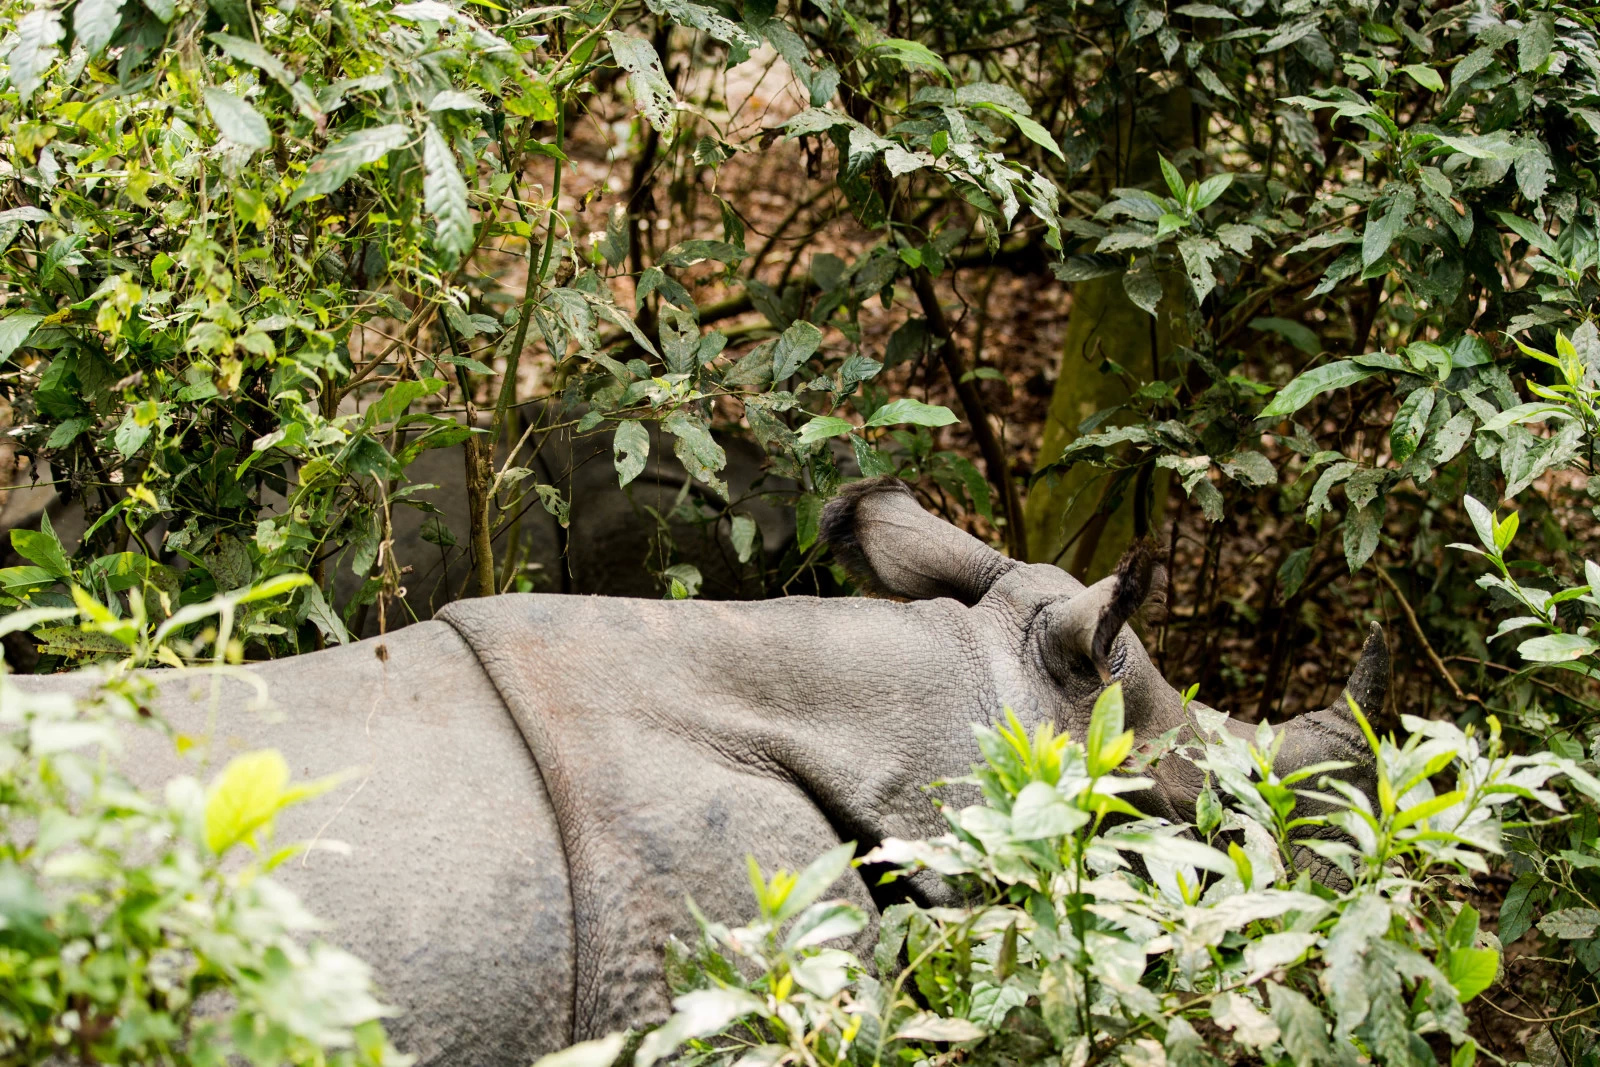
(542, 780)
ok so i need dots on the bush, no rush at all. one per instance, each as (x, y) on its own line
(1215, 944)
(138, 929)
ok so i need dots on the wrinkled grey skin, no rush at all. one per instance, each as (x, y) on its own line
(513, 893)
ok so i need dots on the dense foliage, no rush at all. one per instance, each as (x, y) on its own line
(130, 931)
(1194, 953)
(258, 257)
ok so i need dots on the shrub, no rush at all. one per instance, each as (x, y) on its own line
(1214, 944)
(137, 929)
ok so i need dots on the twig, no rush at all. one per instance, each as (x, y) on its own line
(1422, 639)
(1536, 681)
(994, 459)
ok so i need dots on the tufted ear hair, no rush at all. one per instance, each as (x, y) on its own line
(1087, 626)
(892, 546)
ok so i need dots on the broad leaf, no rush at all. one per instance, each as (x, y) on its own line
(340, 160)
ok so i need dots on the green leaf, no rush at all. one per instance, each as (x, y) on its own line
(807, 520)
(914, 412)
(1570, 924)
(913, 54)
(444, 194)
(398, 397)
(1296, 333)
(1551, 648)
(1471, 970)
(43, 548)
(745, 537)
(1361, 529)
(794, 347)
(1516, 911)
(274, 587)
(1174, 180)
(1424, 76)
(38, 33)
(237, 120)
(15, 331)
(812, 882)
(1382, 230)
(1297, 394)
(95, 22)
(1040, 811)
(1534, 43)
(1105, 730)
(630, 448)
(244, 798)
(1526, 230)
(237, 14)
(1029, 128)
(695, 448)
(1210, 189)
(823, 427)
(340, 160)
(601, 1052)
(652, 93)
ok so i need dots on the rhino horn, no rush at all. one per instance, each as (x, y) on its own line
(891, 546)
(1089, 624)
(1369, 682)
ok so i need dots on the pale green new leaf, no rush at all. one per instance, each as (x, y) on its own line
(444, 194)
(237, 120)
(95, 22)
(38, 34)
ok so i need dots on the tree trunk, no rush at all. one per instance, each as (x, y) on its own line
(1083, 519)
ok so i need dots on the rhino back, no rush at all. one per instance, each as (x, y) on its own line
(455, 887)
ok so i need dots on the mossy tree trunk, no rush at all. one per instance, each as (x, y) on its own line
(1084, 518)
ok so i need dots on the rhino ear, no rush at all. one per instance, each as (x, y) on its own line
(889, 544)
(1088, 625)
(1369, 682)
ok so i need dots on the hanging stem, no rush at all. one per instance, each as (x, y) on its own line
(479, 452)
(536, 273)
(994, 457)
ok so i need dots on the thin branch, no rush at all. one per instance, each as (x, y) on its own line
(1422, 639)
(994, 458)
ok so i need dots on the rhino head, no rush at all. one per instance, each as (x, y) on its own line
(1054, 645)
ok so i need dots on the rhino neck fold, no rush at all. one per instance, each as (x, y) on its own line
(677, 738)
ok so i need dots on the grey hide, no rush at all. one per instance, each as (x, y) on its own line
(514, 893)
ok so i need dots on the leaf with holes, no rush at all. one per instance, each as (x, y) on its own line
(695, 448)
(652, 93)
(630, 449)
